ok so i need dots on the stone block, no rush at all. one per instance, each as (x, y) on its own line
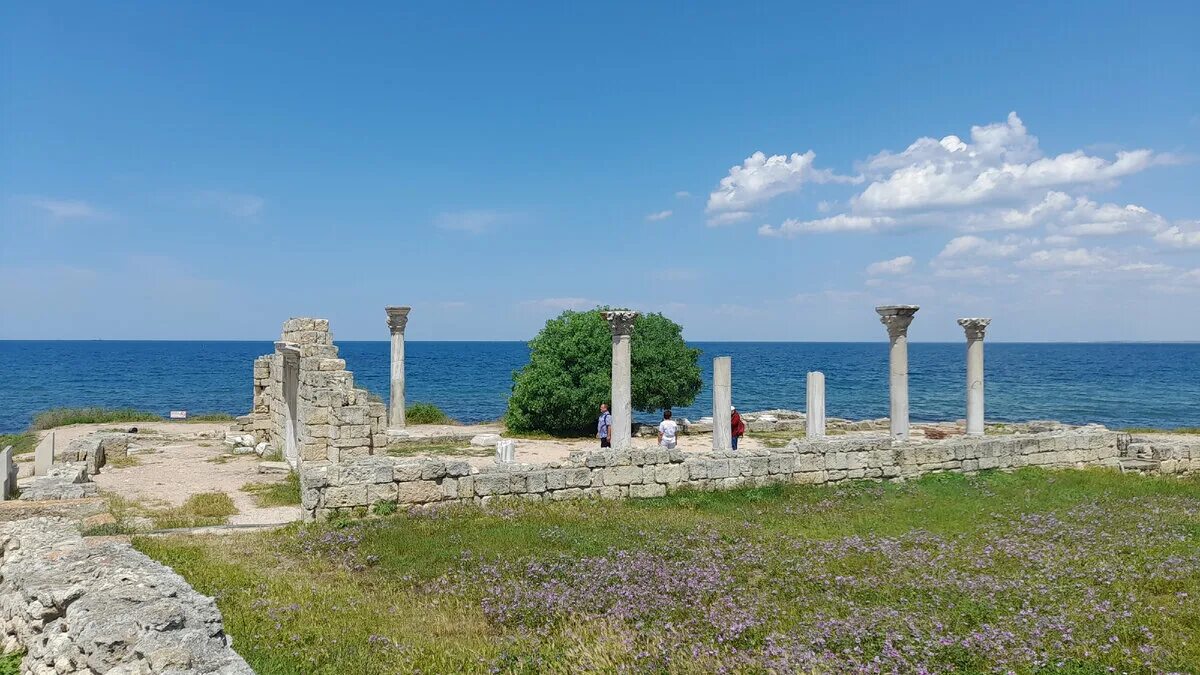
(614, 492)
(648, 490)
(433, 469)
(366, 470)
(310, 499)
(418, 492)
(697, 470)
(407, 470)
(449, 488)
(344, 495)
(518, 483)
(759, 466)
(578, 477)
(781, 463)
(536, 481)
(622, 475)
(492, 484)
(569, 493)
(718, 468)
(386, 492)
(670, 473)
(466, 487)
(458, 468)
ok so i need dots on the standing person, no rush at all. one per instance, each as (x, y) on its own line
(667, 429)
(736, 426)
(604, 427)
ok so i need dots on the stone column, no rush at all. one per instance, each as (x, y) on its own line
(974, 329)
(43, 455)
(397, 318)
(897, 318)
(814, 424)
(621, 323)
(722, 402)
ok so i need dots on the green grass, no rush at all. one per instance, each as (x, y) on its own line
(61, 417)
(200, 510)
(281, 493)
(21, 443)
(10, 664)
(426, 413)
(438, 448)
(117, 461)
(210, 417)
(458, 590)
(1150, 430)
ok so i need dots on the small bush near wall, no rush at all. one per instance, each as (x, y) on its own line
(426, 413)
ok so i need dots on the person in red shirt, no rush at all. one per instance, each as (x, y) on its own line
(736, 426)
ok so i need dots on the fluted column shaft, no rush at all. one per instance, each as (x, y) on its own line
(620, 322)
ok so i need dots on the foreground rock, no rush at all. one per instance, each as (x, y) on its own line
(102, 607)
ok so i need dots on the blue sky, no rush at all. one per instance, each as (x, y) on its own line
(206, 170)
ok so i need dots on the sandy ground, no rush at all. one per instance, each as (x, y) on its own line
(183, 465)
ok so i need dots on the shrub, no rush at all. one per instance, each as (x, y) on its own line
(383, 508)
(210, 417)
(21, 443)
(61, 417)
(570, 372)
(425, 413)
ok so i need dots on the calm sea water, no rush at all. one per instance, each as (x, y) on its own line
(1114, 384)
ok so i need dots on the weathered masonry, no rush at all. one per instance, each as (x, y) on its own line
(305, 403)
(354, 486)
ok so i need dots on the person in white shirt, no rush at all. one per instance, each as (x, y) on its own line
(667, 430)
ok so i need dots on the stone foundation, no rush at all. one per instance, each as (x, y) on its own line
(353, 487)
(80, 607)
(330, 419)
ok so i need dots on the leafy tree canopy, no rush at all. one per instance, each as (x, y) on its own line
(570, 372)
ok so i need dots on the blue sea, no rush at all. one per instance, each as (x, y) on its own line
(1117, 384)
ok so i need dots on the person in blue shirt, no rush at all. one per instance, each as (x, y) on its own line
(604, 427)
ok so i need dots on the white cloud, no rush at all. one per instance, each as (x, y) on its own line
(900, 265)
(682, 194)
(970, 245)
(1060, 240)
(761, 178)
(1001, 163)
(1186, 235)
(1061, 258)
(236, 204)
(473, 221)
(659, 215)
(838, 223)
(68, 209)
(729, 217)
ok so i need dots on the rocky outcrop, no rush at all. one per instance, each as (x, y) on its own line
(102, 607)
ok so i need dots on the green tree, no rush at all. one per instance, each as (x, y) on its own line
(570, 372)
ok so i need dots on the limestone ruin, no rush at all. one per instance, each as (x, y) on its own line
(306, 406)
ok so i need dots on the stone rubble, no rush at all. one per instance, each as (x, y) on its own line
(79, 607)
(62, 481)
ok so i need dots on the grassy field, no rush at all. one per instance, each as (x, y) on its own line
(1033, 571)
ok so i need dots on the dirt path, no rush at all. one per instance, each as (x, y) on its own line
(184, 463)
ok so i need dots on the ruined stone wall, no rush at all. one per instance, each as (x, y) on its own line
(334, 420)
(353, 487)
(100, 607)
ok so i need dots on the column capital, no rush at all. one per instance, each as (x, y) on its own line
(974, 327)
(620, 321)
(896, 318)
(397, 318)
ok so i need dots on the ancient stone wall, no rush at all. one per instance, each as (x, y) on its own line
(353, 487)
(330, 419)
(101, 607)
